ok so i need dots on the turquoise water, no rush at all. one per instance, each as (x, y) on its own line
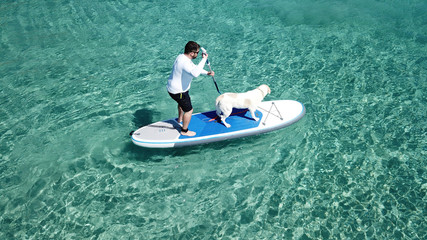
(78, 76)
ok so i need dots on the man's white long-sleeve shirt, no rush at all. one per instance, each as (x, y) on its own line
(183, 72)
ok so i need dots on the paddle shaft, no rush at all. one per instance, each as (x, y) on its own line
(213, 78)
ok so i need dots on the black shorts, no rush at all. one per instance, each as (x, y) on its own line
(183, 100)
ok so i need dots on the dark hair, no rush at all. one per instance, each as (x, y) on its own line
(191, 47)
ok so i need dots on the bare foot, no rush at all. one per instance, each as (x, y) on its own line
(188, 133)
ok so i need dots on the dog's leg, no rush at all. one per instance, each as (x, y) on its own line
(225, 114)
(252, 111)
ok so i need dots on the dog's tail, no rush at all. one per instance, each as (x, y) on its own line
(218, 109)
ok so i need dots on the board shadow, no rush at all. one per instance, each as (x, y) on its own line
(143, 117)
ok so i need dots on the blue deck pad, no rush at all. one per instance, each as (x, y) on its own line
(208, 123)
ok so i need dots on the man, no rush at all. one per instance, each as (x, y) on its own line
(179, 82)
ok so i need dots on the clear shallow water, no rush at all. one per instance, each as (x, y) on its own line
(78, 76)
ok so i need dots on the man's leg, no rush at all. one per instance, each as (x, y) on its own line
(183, 99)
(186, 122)
(180, 114)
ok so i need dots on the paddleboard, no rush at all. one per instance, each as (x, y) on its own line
(272, 115)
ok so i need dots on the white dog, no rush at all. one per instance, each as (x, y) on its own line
(250, 100)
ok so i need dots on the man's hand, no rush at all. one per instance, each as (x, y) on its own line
(204, 55)
(211, 73)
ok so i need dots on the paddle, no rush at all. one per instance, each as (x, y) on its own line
(210, 69)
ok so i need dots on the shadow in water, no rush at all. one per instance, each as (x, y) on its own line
(143, 117)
